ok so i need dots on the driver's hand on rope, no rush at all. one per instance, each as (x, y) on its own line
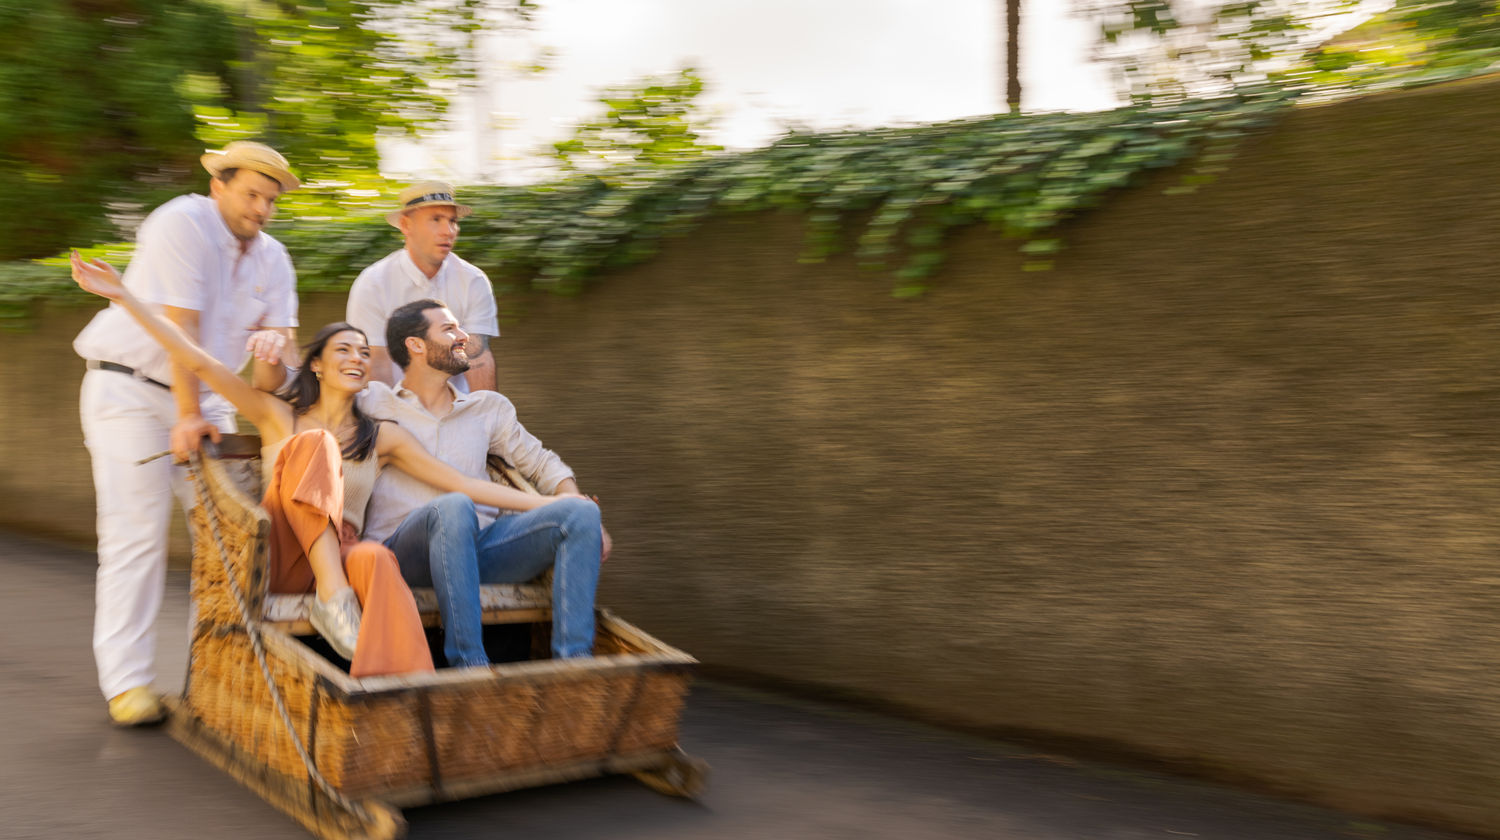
(188, 433)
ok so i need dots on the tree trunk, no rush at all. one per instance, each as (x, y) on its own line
(1013, 55)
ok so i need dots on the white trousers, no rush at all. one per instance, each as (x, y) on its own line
(125, 420)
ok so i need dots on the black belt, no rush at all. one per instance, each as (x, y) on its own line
(95, 364)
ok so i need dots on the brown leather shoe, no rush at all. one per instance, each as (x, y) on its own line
(139, 706)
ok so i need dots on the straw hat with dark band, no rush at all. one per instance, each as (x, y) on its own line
(256, 157)
(426, 194)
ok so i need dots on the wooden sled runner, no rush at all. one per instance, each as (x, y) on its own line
(365, 748)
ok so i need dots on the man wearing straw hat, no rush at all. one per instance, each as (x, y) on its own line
(224, 281)
(427, 216)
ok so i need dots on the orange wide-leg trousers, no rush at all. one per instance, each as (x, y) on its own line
(306, 496)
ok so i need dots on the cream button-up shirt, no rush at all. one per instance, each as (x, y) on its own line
(479, 424)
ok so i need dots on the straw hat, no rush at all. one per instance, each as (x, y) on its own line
(256, 157)
(425, 194)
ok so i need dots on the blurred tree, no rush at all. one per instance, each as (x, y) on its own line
(1174, 50)
(1179, 49)
(106, 104)
(321, 79)
(92, 120)
(655, 122)
(1411, 41)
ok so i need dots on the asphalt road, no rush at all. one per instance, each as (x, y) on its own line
(782, 767)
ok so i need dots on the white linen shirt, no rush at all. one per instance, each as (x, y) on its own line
(479, 424)
(187, 257)
(396, 280)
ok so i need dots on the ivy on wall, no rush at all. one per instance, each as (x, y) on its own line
(892, 195)
(908, 187)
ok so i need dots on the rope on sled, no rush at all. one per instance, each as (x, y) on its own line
(252, 629)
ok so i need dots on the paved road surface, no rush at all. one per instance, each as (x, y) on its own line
(782, 768)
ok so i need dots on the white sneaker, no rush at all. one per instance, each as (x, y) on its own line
(337, 620)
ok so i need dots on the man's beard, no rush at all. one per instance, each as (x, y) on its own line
(447, 361)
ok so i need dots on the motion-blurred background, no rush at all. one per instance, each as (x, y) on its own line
(1150, 402)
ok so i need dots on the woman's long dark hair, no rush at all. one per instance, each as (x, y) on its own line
(304, 390)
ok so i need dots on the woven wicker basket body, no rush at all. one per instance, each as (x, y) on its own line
(415, 739)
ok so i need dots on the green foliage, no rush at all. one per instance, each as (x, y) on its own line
(90, 120)
(909, 188)
(22, 282)
(893, 195)
(100, 100)
(1020, 175)
(654, 123)
(1168, 50)
(320, 80)
(1412, 43)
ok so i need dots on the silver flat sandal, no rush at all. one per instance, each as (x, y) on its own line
(337, 620)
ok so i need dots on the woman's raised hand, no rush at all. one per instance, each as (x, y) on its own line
(98, 277)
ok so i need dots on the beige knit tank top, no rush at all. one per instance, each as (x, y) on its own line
(359, 481)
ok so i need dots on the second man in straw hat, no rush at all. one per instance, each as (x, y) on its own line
(427, 215)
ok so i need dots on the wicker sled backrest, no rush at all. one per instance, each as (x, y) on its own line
(244, 526)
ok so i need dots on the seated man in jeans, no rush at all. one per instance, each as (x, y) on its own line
(443, 540)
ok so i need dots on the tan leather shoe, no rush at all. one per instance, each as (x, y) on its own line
(138, 706)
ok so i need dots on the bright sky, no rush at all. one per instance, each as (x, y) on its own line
(823, 64)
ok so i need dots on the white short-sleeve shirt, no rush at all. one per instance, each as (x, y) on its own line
(396, 280)
(187, 257)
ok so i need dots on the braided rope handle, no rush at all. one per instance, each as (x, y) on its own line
(252, 629)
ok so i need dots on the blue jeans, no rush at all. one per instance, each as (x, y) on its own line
(441, 545)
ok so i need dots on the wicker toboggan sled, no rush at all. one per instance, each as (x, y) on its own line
(362, 749)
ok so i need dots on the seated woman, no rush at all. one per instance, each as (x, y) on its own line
(322, 456)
